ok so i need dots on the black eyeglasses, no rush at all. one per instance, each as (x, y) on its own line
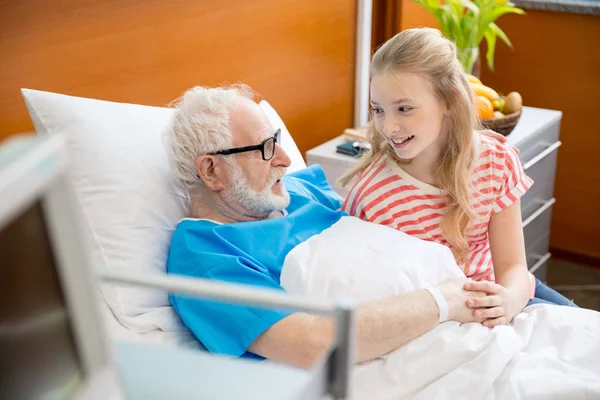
(267, 147)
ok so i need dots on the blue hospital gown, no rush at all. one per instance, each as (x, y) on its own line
(249, 253)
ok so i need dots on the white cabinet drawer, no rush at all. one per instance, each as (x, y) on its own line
(538, 256)
(538, 224)
(541, 168)
(537, 142)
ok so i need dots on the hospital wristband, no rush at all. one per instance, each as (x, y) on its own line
(441, 303)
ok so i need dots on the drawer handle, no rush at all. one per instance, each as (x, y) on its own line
(540, 262)
(543, 154)
(546, 205)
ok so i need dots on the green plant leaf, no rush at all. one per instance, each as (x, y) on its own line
(500, 33)
(484, 10)
(469, 28)
(492, 15)
(468, 22)
(453, 21)
(490, 38)
(433, 6)
(442, 19)
(498, 12)
(469, 5)
(427, 4)
(457, 8)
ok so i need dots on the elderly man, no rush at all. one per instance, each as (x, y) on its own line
(246, 216)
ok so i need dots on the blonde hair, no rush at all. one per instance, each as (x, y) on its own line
(425, 52)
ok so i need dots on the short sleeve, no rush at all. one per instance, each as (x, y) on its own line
(514, 182)
(225, 328)
(311, 182)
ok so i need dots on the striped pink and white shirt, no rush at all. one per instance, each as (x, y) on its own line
(387, 195)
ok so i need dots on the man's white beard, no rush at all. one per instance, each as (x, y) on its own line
(264, 201)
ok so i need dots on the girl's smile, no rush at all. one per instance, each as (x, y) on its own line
(401, 142)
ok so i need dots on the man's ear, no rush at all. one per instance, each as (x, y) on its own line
(211, 170)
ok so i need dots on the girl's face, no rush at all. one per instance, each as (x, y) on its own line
(407, 113)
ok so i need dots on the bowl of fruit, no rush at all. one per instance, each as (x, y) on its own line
(496, 112)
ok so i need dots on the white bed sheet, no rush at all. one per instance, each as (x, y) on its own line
(549, 352)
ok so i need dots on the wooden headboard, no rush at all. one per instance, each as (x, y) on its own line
(298, 55)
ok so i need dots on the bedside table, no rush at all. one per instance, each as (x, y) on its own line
(334, 164)
(537, 138)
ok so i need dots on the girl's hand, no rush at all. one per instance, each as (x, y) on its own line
(497, 308)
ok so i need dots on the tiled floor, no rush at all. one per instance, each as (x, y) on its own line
(575, 281)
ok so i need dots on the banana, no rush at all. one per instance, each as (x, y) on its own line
(484, 91)
(473, 79)
(498, 104)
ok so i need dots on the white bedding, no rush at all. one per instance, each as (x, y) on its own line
(549, 352)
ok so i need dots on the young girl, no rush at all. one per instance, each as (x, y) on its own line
(430, 174)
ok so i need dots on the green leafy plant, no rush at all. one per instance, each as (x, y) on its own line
(467, 23)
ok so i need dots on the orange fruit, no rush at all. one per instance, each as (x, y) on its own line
(485, 109)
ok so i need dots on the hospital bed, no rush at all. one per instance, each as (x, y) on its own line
(330, 377)
(171, 343)
(129, 204)
(33, 171)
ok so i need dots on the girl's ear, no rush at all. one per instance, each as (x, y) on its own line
(447, 110)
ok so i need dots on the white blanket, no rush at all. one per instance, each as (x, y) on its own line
(549, 352)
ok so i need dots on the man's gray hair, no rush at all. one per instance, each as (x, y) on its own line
(200, 126)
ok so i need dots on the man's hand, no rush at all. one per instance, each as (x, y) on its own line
(497, 308)
(457, 297)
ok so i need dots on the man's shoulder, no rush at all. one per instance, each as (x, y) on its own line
(313, 175)
(190, 236)
(194, 225)
(198, 246)
(310, 184)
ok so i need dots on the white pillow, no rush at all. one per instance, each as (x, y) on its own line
(128, 197)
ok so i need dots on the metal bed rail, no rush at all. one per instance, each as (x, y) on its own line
(337, 364)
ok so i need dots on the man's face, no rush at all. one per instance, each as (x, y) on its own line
(254, 183)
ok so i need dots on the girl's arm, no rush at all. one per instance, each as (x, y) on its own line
(508, 254)
(512, 290)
